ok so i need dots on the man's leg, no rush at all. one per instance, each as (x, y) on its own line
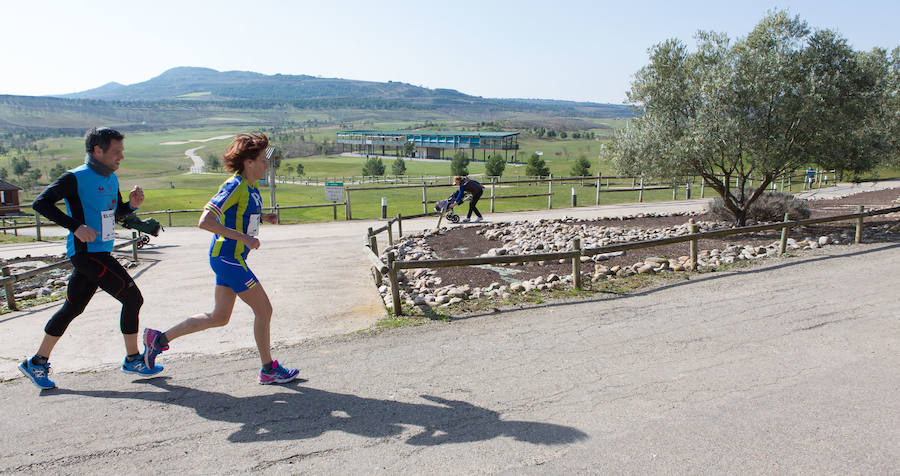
(112, 278)
(79, 291)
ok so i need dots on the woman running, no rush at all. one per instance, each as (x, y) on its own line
(233, 215)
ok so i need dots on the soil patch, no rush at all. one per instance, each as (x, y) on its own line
(464, 241)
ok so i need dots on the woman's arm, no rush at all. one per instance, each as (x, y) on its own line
(209, 223)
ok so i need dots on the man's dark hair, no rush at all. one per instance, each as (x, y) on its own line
(102, 137)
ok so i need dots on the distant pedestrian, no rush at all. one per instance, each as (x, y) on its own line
(93, 204)
(472, 187)
(233, 215)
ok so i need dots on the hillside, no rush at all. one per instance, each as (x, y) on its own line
(192, 97)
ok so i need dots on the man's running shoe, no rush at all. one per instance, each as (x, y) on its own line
(39, 374)
(137, 366)
(278, 374)
(152, 347)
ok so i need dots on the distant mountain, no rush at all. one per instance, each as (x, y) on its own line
(194, 97)
(190, 83)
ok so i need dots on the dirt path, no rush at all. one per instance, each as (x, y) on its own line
(774, 369)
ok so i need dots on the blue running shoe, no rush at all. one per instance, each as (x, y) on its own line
(39, 374)
(152, 347)
(278, 374)
(137, 366)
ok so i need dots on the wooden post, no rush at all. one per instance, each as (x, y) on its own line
(424, 198)
(782, 247)
(576, 263)
(550, 197)
(334, 211)
(373, 245)
(597, 202)
(395, 285)
(348, 212)
(702, 186)
(692, 229)
(15, 227)
(169, 215)
(641, 192)
(399, 226)
(134, 246)
(859, 225)
(493, 184)
(37, 226)
(277, 215)
(10, 292)
(674, 191)
(390, 230)
(574, 198)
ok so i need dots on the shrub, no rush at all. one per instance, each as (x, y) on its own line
(373, 166)
(769, 207)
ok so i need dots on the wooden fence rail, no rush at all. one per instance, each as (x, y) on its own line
(8, 280)
(393, 265)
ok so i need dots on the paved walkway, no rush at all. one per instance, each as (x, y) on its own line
(317, 277)
(768, 370)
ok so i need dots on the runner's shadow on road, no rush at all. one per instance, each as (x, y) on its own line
(299, 413)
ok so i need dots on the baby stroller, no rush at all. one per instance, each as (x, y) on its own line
(443, 207)
(146, 227)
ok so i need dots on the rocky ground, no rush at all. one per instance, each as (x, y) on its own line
(445, 287)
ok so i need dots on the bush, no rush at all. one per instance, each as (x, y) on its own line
(769, 207)
(459, 165)
(581, 167)
(373, 166)
(536, 166)
(398, 167)
(495, 165)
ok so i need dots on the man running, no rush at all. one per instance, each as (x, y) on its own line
(93, 204)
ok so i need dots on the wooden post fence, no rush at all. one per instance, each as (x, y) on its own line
(395, 284)
(10, 292)
(782, 247)
(550, 193)
(859, 225)
(576, 263)
(695, 244)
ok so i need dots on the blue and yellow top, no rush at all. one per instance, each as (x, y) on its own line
(238, 206)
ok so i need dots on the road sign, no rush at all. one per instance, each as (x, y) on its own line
(334, 191)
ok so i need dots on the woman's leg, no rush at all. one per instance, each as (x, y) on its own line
(472, 207)
(220, 316)
(258, 300)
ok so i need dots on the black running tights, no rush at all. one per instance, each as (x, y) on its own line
(93, 270)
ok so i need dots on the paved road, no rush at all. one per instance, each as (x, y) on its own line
(789, 367)
(316, 275)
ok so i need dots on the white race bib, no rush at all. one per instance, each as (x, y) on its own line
(253, 226)
(108, 223)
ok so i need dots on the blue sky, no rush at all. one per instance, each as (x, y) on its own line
(576, 50)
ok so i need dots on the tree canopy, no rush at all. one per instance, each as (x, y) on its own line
(495, 165)
(459, 164)
(775, 101)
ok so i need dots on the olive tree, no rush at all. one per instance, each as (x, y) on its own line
(770, 103)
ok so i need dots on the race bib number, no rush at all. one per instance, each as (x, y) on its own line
(253, 226)
(108, 223)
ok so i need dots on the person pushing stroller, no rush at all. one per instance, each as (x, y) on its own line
(474, 188)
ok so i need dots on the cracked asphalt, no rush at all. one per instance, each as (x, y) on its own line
(789, 366)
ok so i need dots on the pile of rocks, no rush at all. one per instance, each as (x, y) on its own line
(423, 288)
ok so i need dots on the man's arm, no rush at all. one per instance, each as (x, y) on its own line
(123, 209)
(66, 186)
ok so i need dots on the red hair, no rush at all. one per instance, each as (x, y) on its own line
(244, 147)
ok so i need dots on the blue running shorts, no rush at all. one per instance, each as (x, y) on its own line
(232, 274)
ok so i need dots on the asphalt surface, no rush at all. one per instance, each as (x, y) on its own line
(787, 367)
